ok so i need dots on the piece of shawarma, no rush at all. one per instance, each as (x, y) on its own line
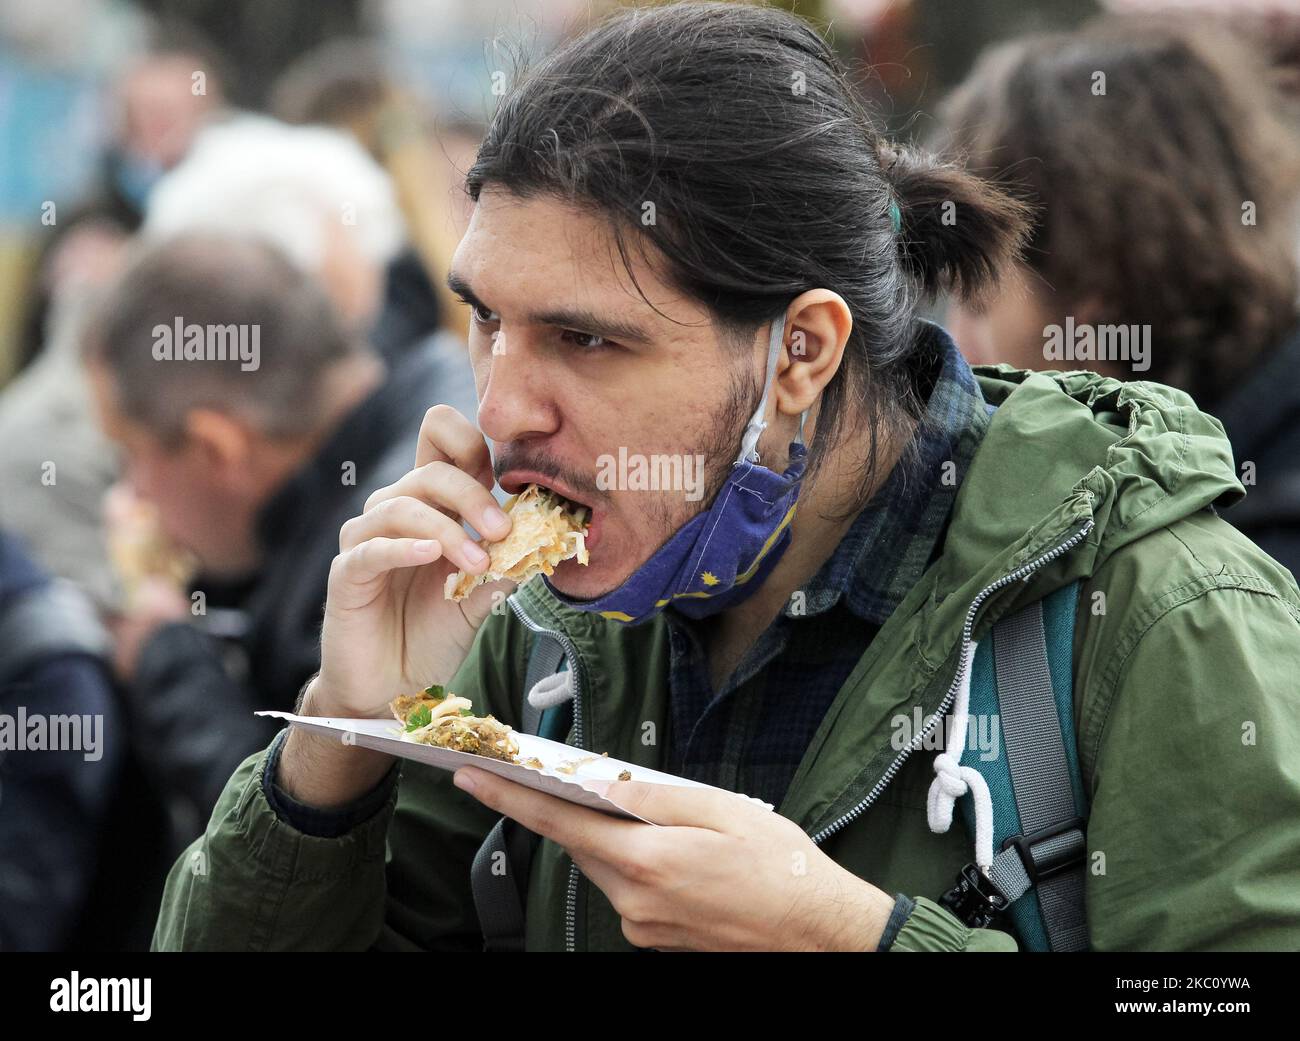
(545, 531)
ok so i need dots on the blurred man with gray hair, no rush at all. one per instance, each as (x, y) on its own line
(254, 423)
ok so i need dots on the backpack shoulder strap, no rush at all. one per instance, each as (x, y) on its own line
(1025, 680)
(499, 874)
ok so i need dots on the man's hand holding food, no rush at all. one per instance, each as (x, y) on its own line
(152, 572)
(388, 627)
(716, 872)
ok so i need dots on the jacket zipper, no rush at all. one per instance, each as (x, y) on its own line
(570, 652)
(1022, 572)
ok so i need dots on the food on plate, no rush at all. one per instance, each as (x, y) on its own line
(546, 530)
(625, 775)
(138, 550)
(438, 717)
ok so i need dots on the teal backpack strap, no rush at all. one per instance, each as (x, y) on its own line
(1023, 677)
(499, 875)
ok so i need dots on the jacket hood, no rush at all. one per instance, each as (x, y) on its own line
(1066, 449)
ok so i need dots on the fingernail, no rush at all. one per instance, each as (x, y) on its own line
(494, 518)
(426, 546)
(473, 553)
(463, 781)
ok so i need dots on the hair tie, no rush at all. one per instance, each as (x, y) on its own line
(896, 216)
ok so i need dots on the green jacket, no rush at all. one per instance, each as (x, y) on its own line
(1185, 703)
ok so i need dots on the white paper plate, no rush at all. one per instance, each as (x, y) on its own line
(586, 785)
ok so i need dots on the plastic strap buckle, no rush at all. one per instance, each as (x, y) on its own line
(975, 899)
(1068, 856)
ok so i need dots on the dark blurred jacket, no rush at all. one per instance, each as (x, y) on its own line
(53, 802)
(197, 685)
(1262, 420)
(409, 315)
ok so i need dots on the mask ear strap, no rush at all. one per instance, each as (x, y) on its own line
(757, 423)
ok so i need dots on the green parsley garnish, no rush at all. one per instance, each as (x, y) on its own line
(421, 717)
(435, 691)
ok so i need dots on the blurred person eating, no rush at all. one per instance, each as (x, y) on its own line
(253, 424)
(57, 467)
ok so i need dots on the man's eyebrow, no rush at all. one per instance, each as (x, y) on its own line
(578, 319)
(460, 287)
(581, 320)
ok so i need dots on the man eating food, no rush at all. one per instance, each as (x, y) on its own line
(545, 530)
(675, 253)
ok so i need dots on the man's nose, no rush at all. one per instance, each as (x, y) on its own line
(516, 402)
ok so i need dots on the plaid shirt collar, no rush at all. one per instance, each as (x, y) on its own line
(755, 743)
(897, 534)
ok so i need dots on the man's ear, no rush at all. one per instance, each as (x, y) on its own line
(817, 327)
(222, 443)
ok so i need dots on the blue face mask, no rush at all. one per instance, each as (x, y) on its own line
(720, 556)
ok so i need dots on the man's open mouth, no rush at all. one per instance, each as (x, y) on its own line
(546, 530)
(515, 481)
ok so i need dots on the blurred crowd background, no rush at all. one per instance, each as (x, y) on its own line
(295, 166)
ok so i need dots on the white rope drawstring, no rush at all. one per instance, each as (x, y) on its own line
(953, 780)
(552, 690)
